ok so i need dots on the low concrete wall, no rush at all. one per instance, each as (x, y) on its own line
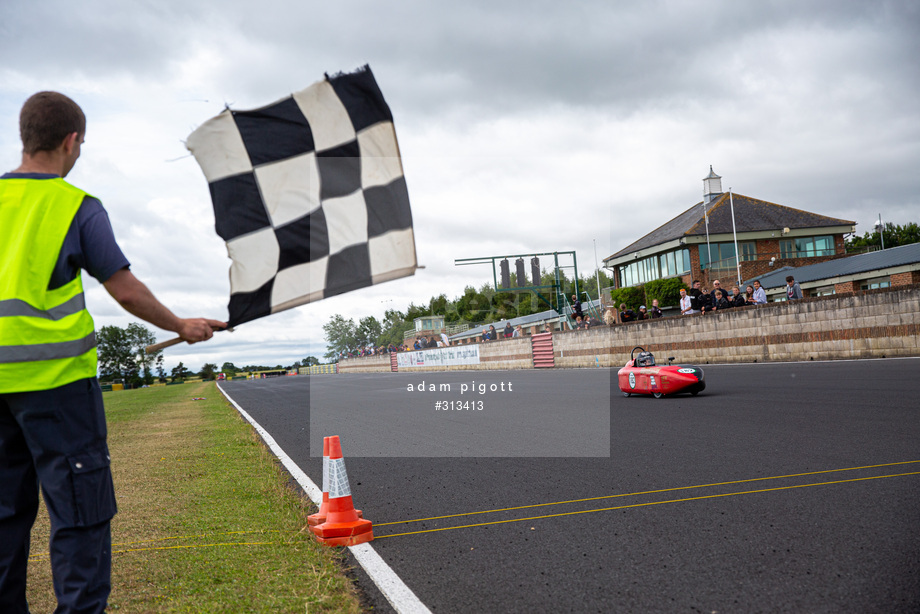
(874, 324)
(365, 364)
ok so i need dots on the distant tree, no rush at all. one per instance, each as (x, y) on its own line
(140, 337)
(392, 328)
(161, 371)
(440, 306)
(121, 353)
(115, 353)
(208, 371)
(368, 331)
(416, 311)
(309, 361)
(179, 372)
(229, 368)
(340, 336)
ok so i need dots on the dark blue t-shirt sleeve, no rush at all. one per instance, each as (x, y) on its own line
(90, 244)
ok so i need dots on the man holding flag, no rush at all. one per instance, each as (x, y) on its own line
(52, 421)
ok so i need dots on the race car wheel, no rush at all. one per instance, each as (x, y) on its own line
(657, 395)
(694, 392)
(626, 394)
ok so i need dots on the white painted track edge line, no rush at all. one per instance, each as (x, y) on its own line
(391, 585)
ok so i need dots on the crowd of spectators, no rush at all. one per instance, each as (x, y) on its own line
(700, 300)
(695, 300)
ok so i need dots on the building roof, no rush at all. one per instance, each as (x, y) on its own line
(751, 215)
(851, 265)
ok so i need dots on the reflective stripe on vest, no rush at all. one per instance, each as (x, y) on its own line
(47, 338)
(47, 351)
(16, 307)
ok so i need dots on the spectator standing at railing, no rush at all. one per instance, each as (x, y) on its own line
(695, 293)
(643, 314)
(508, 331)
(655, 311)
(737, 299)
(610, 317)
(793, 291)
(626, 315)
(719, 301)
(518, 332)
(717, 286)
(445, 339)
(760, 295)
(686, 303)
(749, 295)
(706, 299)
(576, 307)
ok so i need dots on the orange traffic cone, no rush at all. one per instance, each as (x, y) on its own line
(342, 526)
(320, 516)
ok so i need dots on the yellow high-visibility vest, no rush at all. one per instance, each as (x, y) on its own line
(47, 337)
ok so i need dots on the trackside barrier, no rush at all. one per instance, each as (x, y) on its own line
(342, 526)
(318, 369)
(394, 362)
(542, 348)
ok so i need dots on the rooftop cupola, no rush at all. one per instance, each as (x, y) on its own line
(712, 186)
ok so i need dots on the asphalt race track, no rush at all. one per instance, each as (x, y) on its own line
(782, 488)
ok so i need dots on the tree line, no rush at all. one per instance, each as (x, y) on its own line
(122, 357)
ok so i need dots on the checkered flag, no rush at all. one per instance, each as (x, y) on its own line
(309, 195)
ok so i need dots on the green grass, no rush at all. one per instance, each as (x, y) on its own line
(207, 521)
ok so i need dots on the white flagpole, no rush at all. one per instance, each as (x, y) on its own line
(708, 248)
(731, 202)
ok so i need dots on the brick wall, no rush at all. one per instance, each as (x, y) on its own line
(873, 324)
(905, 279)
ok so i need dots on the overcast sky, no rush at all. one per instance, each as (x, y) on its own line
(524, 126)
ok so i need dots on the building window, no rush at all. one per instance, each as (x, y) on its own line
(723, 255)
(748, 251)
(875, 283)
(683, 263)
(807, 247)
(824, 291)
(654, 267)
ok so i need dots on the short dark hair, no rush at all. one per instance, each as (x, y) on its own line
(695, 281)
(46, 119)
(790, 278)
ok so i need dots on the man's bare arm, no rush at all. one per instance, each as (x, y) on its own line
(138, 300)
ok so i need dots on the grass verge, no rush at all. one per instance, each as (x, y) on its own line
(206, 521)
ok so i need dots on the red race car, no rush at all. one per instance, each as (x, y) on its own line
(642, 376)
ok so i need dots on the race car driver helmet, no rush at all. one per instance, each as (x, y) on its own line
(645, 359)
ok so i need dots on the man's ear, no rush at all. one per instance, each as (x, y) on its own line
(70, 142)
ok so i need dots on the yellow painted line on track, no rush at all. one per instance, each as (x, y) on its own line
(621, 507)
(645, 492)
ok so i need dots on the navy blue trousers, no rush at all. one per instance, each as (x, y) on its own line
(56, 438)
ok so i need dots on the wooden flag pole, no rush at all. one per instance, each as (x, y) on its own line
(156, 347)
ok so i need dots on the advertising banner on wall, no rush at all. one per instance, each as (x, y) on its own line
(439, 357)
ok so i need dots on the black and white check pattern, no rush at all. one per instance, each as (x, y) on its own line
(309, 195)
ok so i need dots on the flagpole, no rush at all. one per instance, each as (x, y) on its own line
(708, 248)
(731, 202)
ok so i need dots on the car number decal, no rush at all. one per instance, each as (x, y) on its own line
(686, 370)
(632, 380)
